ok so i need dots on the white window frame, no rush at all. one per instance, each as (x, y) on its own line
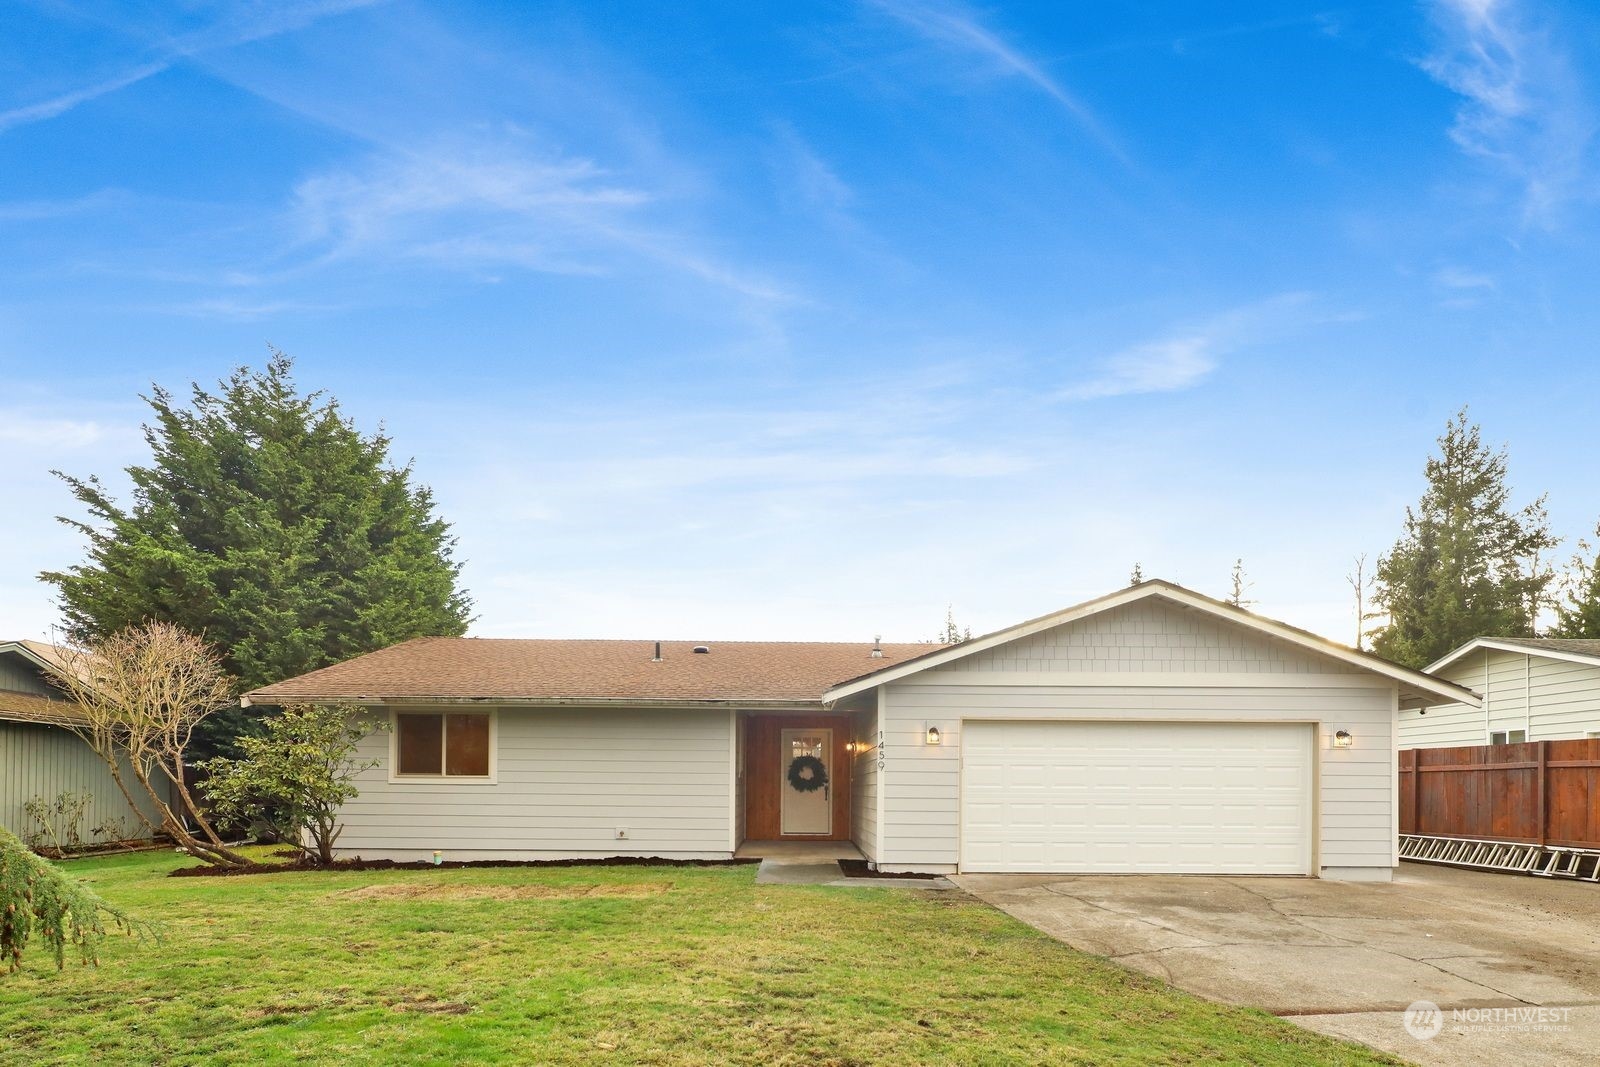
(1506, 733)
(492, 778)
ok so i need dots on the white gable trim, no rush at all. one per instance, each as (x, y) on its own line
(1506, 646)
(20, 649)
(1410, 681)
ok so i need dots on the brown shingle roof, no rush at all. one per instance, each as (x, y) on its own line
(27, 707)
(1578, 645)
(477, 668)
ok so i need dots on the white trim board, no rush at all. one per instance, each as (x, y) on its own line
(1507, 646)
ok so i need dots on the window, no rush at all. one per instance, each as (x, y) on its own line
(445, 744)
(1508, 737)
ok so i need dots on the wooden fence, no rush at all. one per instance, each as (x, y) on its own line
(1542, 792)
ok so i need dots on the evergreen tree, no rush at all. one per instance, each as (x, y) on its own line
(37, 898)
(1136, 576)
(952, 634)
(1467, 565)
(1578, 610)
(268, 523)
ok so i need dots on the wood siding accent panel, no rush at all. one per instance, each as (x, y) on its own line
(567, 778)
(1542, 792)
(1150, 636)
(45, 761)
(763, 779)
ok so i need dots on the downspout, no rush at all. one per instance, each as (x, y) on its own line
(1486, 730)
(1527, 696)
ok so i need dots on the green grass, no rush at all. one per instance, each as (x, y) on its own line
(605, 965)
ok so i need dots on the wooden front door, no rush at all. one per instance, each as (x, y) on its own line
(773, 808)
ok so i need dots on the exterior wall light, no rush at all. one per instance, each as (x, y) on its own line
(1342, 739)
(934, 736)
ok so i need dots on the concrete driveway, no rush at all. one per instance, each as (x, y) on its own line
(1347, 959)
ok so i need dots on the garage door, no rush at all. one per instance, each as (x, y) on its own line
(1146, 797)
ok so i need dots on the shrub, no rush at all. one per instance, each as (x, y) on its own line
(294, 778)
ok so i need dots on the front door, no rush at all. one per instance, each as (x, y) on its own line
(805, 781)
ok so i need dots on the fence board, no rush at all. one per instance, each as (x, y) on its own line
(1541, 792)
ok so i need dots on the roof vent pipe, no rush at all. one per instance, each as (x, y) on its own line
(657, 657)
(877, 646)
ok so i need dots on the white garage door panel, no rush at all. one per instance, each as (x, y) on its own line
(1145, 797)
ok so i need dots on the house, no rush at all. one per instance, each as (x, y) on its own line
(41, 759)
(1151, 730)
(1531, 689)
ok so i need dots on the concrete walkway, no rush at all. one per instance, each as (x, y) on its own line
(1348, 959)
(817, 863)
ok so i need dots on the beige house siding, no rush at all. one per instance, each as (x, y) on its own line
(45, 761)
(566, 779)
(739, 785)
(1553, 699)
(1174, 665)
(864, 785)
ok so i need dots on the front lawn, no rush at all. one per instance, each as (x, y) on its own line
(598, 965)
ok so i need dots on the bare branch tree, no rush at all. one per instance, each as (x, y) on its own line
(1361, 585)
(142, 691)
(1236, 596)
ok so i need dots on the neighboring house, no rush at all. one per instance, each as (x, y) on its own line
(40, 758)
(1152, 730)
(1531, 689)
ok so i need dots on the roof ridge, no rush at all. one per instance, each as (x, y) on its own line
(867, 642)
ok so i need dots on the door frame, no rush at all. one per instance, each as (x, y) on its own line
(763, 797)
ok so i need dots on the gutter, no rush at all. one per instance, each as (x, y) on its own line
(258, 699)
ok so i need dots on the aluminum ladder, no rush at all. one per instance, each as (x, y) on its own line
(1509, 856)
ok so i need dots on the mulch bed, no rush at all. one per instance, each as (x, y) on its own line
(359, 864)
(859, 869)
(100, 848)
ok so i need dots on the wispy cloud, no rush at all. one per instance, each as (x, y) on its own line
(806, 180)
(1461, 287)
(22, 428)
(60, 105)
(1167, 365)
(248, 310)
(1184, 358)
(1524, 109)
(250, 23)
(962, 30)
(1451, 277)
(501, 204)
(38, 210)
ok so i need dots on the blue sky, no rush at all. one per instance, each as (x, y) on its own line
(750, 320)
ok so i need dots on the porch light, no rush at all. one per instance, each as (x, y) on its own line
(1342, 739)
(934, 737)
